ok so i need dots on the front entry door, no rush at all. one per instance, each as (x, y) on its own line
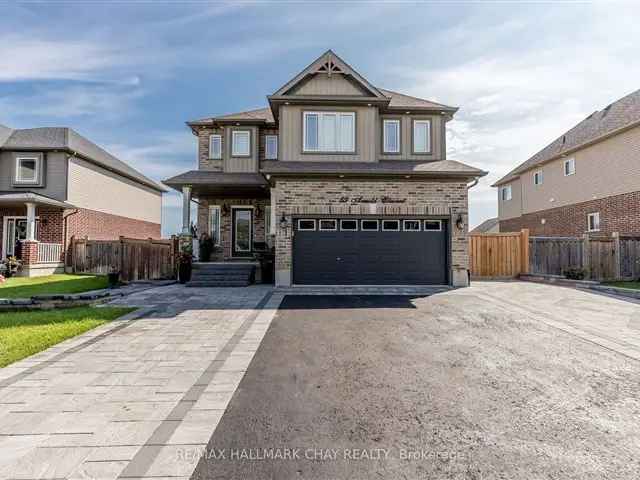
(242, 232)
(16, 231)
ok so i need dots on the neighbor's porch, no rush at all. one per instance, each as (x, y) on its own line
(32, 228)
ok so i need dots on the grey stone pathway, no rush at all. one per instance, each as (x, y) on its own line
(136, 397)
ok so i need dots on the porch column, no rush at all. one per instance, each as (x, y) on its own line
(186, 210)
(31, 222)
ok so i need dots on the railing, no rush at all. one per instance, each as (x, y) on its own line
(49, 252)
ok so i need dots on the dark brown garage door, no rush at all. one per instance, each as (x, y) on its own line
(369, 251)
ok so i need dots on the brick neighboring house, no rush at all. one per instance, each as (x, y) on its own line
(347, 182)
(54, 184)
(587, 181)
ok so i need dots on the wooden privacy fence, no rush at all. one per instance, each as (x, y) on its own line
(135, 259)
(499, 255)
(554, 255)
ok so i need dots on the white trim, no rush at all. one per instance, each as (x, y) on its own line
(216, 207)
(274, 156)
(233, 143)
(362, 229)
(335, 225)
(384, 229)
(538, 177)
(596, 223)
(431, 229)
(404, 223)
(384, 135)
(5, 230)
(337, 133)
(36, 180)
(348, 229)
(569, 161)
(300, 229)
(427, 143)
(218, 156)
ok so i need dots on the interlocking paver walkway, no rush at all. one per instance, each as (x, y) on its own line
(128, 399)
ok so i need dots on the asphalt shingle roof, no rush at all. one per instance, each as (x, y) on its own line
(619, 114)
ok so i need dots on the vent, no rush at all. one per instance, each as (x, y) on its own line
(329, 67)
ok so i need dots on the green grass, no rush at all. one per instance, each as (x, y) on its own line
(22, 287)
(27, 332)
(633, 285)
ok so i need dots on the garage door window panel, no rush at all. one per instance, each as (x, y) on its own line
(369, 225)
(411, 225)
(433, 225)
(306, 225)
(328, 225)
(391, 225)
(349, 225)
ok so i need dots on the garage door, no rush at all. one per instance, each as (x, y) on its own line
(381, 251)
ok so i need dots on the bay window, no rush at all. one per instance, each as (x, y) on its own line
(329, 132)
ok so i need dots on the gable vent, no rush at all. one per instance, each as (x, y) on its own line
(329, 67)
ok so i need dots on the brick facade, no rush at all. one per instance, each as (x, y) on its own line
(443, 199)
(226, 220)
(104, 226)
(619, 213)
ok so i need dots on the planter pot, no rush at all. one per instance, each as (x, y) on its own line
(113, 278)
(184, 272)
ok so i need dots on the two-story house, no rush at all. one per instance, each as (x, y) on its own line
(348, 181)
(587, 181)
(55, 184)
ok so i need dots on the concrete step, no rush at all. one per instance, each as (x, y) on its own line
(215, 283)
(221, 275)
(219, 267)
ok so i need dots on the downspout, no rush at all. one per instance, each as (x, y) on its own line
(64, 235)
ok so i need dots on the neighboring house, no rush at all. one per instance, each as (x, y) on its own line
(585, 181)
(488, 226)
(349, 183)
(55, 184)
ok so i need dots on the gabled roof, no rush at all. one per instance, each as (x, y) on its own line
(258, 115)
(400, 100)
(616, 117)
(63, 138)
(486, 226)
(329, 63)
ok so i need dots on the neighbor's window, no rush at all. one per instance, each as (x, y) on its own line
(215, 146)
(537, 178)
(421, 136)
(27, 169)
(271, 147)
(391, 136)
(411, 225)
(329, 132)
(593, 222)
(432, 225)
(505, 193)
(241, 143)
(369, 225)
(569, 166)
(214, 223)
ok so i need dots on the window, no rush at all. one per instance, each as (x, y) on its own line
(214, 223)
(505, 193)
(328, 225)
(537, 178)
(268, 220)
(391, 136)
(411, 225)
(593, 222)
(422, 136)
(27, 170)
(306, 225)
(329, 132)
(369, 225)
(271, 147)
(391, 225)
(349, 225)
(241, 143)
(569, 167)
(215, 146)
(432, 225)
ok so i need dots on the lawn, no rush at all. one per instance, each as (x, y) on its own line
(22, 287)
(633, 285)
(27, 332)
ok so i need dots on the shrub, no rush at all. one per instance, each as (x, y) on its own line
(575, 273)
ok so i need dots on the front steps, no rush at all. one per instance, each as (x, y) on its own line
(228, 274)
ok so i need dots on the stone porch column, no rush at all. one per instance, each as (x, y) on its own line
(186, 210)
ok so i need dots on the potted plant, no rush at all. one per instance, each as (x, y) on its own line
(113, 277)
(206, 247)
(11, 266)
(184, 267)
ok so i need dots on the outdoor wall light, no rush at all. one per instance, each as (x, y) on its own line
(283, 222)
(459, 222)
(224, 210)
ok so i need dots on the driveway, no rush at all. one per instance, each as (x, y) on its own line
(501, 380)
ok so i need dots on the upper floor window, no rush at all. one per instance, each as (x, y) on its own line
(215, 146)
(271, 147)
(329, 132)
(28, 170)
(422, 136)
(391, 136)
(593, 222)
(240, 143)
(569, 166)
(505, 193)
(537, 178)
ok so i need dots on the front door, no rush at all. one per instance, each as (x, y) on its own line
(242, 232)
(15, 232)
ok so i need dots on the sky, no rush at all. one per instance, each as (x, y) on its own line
(128, 75)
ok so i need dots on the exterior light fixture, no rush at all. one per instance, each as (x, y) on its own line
(283, 222)
(224, 210)
(459, 222)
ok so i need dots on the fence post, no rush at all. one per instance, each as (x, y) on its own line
(121, 266)
(72, 254)
(524, 248)
(617, 268)
(586, 255)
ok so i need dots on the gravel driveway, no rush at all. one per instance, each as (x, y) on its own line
(500, 380)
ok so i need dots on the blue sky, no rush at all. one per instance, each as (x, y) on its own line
(129, 74)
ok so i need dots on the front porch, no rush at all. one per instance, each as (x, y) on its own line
(33, 232)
